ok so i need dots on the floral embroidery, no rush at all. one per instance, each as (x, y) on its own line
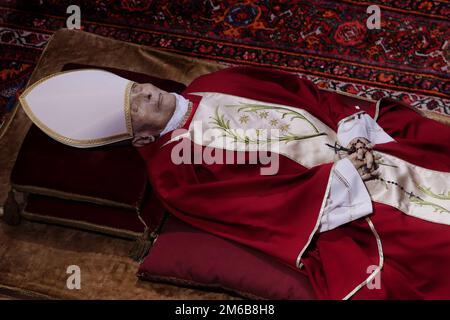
(440, 196)
(273, 122)
(428, 192)
(263, 115)
(283, 111)
(243, 119)
(421, 202)
(414, 199)
(220, 122)
(284, 128)
(259, 132)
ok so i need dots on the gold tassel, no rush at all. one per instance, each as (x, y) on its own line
(142, 245)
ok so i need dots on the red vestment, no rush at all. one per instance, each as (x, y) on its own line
(278, 214)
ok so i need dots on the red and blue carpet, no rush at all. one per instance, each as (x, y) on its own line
(323, 40)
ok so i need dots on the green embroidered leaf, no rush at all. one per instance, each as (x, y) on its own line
(422, 203)
(440, 196)
(250, 107)
(223, 124)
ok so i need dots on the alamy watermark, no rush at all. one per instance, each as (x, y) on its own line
(74, 20)
(237, 146)
(376, 281)
(74, 279)
(374, 20)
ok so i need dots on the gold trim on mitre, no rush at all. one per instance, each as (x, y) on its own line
(76, 142)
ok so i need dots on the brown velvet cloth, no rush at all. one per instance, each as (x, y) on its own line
(35, 257)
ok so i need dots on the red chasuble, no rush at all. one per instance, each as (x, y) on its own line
(279, 214)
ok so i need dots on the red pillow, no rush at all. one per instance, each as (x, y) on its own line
(184, 255)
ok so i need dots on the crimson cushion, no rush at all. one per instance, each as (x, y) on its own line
(48, 167)
(184, 255)
(110, 220)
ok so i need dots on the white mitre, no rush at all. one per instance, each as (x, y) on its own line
(81, 108)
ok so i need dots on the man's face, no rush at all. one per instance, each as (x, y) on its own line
(151, 110)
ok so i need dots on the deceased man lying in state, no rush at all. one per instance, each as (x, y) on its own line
(356, 198)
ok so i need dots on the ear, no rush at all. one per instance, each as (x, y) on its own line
(140, 140)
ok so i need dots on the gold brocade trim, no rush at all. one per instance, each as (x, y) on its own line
(127, 107)
(186, 115)
(81, 225)
(380, 263)
(71, 196)
(319, 218)
(76, 142)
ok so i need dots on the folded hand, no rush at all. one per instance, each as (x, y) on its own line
(360, 153)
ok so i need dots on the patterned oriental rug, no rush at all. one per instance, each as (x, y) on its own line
(325, 41)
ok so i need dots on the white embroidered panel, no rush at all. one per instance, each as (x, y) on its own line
(430, 198)
(241, 124)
